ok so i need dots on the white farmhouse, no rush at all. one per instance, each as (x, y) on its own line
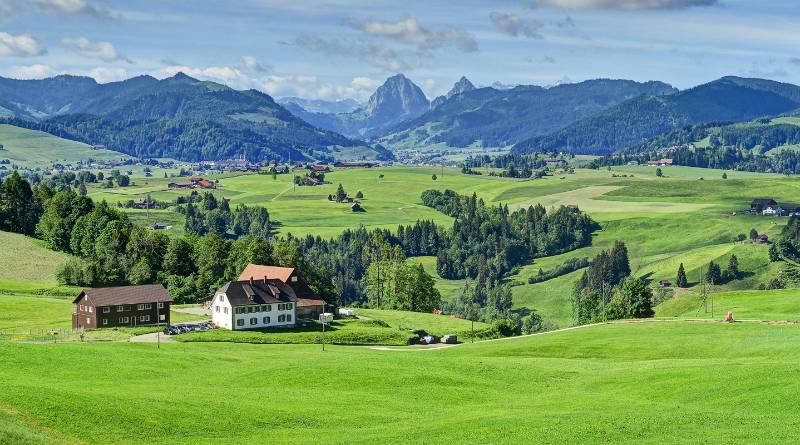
(773, 211)
(254, 304)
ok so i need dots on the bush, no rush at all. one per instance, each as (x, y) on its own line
(505, 327)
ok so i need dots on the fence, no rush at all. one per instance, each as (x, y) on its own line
(65, 335)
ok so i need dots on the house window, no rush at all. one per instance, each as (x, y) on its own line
(269, 308)
(139, 307)
(106, 309)
(123, 319)
(225, 310)
(280, 306)
(148, 306)
(222, 298)
(91, 309)
(144, 318)
(294, 279)
(88, 320)
(240, 322)
(288, 317)
(281, 318)
(288, 306)
(237, 310)
(80, 307)
(217, 308)
(163, 317)
(120, 308)
(105, 321)
(254, 320)
(266, 320)
(161, 305)
(264, 308)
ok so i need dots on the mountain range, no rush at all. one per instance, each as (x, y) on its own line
(730, 99)
(190, 119)
(178, 117)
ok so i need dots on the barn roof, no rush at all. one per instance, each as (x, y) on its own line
(262, 291)
(111, 296)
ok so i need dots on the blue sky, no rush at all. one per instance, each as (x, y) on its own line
(334, 49)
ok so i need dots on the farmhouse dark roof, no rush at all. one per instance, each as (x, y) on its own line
(763, 202)
(110, 296)
(269, 291)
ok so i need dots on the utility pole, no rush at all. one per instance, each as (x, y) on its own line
(158, 323)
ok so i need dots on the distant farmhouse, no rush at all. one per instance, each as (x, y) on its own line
(555, 162)
(121, 306)
(194, 182)
(660, 163)
(342, 164)
(265, 297)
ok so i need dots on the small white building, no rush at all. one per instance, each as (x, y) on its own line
(254, 304)
(773, 211)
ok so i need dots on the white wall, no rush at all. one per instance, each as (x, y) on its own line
(218, 308)
(228, 321)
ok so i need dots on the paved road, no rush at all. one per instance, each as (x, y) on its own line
(151, 338)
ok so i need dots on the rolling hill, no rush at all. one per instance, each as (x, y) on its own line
(30, 148)
(731, 99)
(498, 118)
(178, 117)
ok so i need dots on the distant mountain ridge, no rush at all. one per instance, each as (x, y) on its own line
(179, 117)
(319, 105)
(462, 86)
(498, 118)
(729, 99)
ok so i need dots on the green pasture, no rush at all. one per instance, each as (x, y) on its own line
(637, 382)
(431, 323)
(35, 149)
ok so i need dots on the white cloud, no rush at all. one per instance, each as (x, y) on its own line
(104, 51)
(374, 54)
(515, 25)
(23, 45)
(36, 71)
(311, 87)
(230, 76)
(629, 5)
(410, 32)
(251, 63)
(72, 7)
(104, 74)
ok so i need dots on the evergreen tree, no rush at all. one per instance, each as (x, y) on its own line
(341, 195)
(18, 208)
(753, 234)
(733, 268)
(774, 255)
(659, 173)
(681, 280)
(713, 273)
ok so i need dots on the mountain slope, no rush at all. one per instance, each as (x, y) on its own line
(503, 117)
(731, 99)
(177, 117)
(462, 86)
(318, 105)
(396, 101)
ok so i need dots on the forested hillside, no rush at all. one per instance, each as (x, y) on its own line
(498, 118)
(178, 117)
(731, 99)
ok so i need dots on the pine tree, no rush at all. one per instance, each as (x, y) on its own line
(774, 255)
(753, 234)
(341, 195)
(733, 267)
(682, 281)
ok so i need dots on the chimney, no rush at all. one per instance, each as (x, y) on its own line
(265, 279)
(252, 281)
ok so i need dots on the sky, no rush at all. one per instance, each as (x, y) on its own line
(337, 49)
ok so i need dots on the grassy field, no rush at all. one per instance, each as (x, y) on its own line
(783, 304)
(32, 149)
(31, 260)
(618, 383)
(432, 323)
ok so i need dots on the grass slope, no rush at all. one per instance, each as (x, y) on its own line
(432, 323)
(31, 148)
(628, 382)
(32, 262)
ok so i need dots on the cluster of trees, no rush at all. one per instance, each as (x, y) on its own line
(486, 242)
(390, 282)
(715, 275)
(212, 215)
(606, 291)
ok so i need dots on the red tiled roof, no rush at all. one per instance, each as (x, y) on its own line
(258, 272)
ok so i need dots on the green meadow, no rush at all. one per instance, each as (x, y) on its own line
(664, 221)
(35, 149)
(638, 382)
